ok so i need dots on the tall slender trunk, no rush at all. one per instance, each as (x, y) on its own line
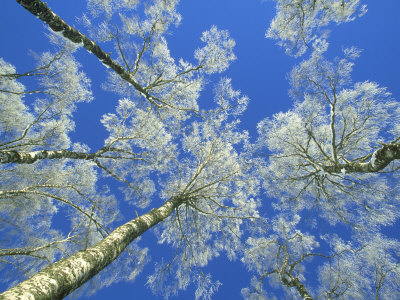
(302, 290)
(295, 282)
(63, 277)
(12, 156)
(41, 11)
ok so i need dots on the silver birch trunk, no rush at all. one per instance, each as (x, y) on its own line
(295, 282)
(12, 156)
(378, 161)
(302, 290)
(41, 11)
(63, 277)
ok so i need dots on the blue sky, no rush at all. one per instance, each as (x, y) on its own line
(259, 71)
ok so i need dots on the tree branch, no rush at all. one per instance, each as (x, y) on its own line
(44, 13)
(12, 156)
(379, 160)
(63, 277)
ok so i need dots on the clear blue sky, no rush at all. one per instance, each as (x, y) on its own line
(259, 71)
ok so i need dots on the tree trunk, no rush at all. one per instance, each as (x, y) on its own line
(379, 160)
(12, 156)
(63, 277)
(295, 282)
(41, 11)
(301, 289)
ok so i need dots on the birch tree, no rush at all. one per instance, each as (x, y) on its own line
(205, 189)
(336, 151)
(38, 185)
(366, 266)
(142, 65)
(192, 171)
(279, 255)
(300, 22)
(31, 191)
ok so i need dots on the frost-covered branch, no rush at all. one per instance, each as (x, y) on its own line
(158, 78)
(39, 71)
(281, 255)
(326, 153)
(31, 191)
(299, 22)
(372, 269)
(378, 161)
(40, 10)
(63, 277)
(32, 250)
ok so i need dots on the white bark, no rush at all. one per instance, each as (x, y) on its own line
(379, 160)
(63, 277)
(12, 156)
(40, 10)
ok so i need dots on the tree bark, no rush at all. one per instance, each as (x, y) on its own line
(302, 290)
(63, 277)
(40, 10)
(379, 160)
(12, 156)
(295, 282)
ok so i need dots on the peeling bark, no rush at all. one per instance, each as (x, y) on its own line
(63, 277)
(44, 13)
(379, 160)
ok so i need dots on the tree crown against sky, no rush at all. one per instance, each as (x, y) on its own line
(322, 151)
(331, 159)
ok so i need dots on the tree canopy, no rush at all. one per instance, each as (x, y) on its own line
(304, 203)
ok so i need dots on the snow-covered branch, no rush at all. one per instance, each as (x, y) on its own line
(40, 10)
(63, 277)
(378, 161)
